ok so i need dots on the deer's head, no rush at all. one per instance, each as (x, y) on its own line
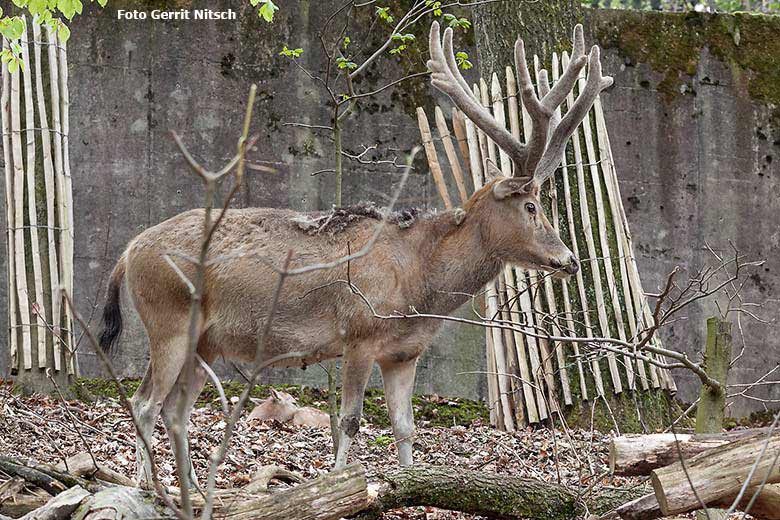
(518, 229)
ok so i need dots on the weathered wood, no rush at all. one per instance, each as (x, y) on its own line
(716, 474)
(632, 455)
(765, 507)
(38, 305)
(119, 503)
(473, 492)
(22, 295)
(35, 470)
(712, 401)
(19, 505)
(82, 465)
(717, 356)
(5, 116)
(452, 157)
(59, 507)
(334, 495)
(48, 176)
(433, 159)
(568, 318)
(33, 476)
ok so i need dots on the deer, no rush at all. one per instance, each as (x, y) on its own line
(431, 265)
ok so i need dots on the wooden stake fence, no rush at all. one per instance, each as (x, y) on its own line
(527, 374)
(40, 240)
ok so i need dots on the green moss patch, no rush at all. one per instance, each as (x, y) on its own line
(671, 43)
(431, 410)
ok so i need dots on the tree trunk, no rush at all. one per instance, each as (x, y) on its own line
(716, 474)
(712, 402)
(632, 455)
(544, 26)
(592, 222)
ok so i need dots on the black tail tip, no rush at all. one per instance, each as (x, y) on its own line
(112, 321)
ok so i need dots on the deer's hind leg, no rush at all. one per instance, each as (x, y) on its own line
(398, 379)
(170, 408)
(168, 353)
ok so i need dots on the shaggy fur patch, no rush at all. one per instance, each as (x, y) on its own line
(338, 219)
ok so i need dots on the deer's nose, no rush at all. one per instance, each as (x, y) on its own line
(574, 266)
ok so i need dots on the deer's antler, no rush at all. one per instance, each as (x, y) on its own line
(556, 145)
(540, 156)
(447, 78)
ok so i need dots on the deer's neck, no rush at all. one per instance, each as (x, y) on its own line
(460, 263)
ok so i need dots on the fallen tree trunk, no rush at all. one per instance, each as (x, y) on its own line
(765, 507)
(716, 474)
(345, 492)
(484, 494)
(632, 455)
(61, 506)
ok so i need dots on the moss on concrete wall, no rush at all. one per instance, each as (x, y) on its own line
(672, 43)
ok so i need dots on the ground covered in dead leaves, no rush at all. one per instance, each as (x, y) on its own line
(49, 430)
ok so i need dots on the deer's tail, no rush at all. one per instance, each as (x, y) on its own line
(112, 312)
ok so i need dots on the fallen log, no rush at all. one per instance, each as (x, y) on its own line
(334, 495)
(345, 492)
(484, 494)
(118, 503)
(61, 506)
(633, 455)
(716, 474)
(82, 465)
(765, 507)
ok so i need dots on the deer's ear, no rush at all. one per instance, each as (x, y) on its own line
(492, 171)
(509, 187)
(275, 395)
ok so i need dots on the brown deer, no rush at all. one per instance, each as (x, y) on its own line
(430, 265)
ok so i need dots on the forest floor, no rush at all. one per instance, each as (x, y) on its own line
(49, 430)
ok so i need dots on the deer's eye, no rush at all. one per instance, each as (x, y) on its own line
(530, 207)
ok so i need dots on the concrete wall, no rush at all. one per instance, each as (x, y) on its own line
(695, 130)
(132, 82)
(698, 164)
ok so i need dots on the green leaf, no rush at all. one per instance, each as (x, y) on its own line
(291, 53)
(344, 63)
(37, 7)
(1, 12)
(384, 14)
(13, 66)
(63, 33)
(462, 59)
(347, 41)
(267, 10)
(45, 18)
(18, 28)
(254, 3)
(20, 3)
(67, 8)
(102, 3)
(16, 48)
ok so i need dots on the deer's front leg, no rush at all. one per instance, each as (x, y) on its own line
(398, 378)
(355, 373)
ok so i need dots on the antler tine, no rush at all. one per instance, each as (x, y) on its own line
(540, 116)
(447, 78)
(542, 111)
(577, 112)
(565, 83)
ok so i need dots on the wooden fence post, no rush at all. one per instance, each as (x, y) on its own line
(712, 402)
